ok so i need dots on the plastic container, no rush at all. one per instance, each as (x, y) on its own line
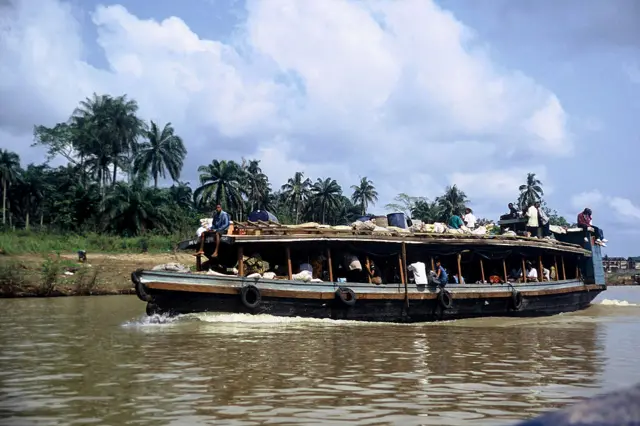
(262, 215)
(397, 219)
(381, 221)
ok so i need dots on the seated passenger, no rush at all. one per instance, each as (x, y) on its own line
(532, 273)
(469, 218)
(584, 222)
(374, 272)
(441, 278)
(456, 222)
(220, 226)
(419, 273)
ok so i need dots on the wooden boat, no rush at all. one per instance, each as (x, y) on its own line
(579, 275)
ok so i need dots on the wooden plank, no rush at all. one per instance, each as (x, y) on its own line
(541, 276)
(564, 273)
(330, 264)
(482, 270)
(368, 269)
(402, 277)
(555, 261)
(459, 268)
(406, 273)
(240, 262)
(329, 295)
(524, 271)
(289, 267)
(504, 267)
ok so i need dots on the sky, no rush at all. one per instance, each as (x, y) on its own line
(413, 94)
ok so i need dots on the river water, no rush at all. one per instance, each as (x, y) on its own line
(99, 360)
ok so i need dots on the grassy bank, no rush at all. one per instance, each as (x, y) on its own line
(32, 275)
(24, 242)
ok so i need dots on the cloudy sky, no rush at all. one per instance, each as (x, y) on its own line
(414, 94)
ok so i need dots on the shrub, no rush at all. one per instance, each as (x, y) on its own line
(51, 269)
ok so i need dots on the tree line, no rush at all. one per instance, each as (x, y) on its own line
(114, 161)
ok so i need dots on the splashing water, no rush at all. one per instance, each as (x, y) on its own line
(614, 302)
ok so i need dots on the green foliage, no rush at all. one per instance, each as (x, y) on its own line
(51, 270)
(85, 280)
(12, 277)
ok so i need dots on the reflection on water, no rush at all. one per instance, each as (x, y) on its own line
(98, 360)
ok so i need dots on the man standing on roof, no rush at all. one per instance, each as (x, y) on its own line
(584, 222)
(533, 224)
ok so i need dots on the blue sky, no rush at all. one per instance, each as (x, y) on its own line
(415, 95)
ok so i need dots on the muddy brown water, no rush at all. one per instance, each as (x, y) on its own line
(99, 360)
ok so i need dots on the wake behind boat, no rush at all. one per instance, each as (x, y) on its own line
(377, 274)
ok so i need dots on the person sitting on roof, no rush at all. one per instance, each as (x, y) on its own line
(456, 222)
(220, 226)
(469, 218)
(584, 222)
(513, 211)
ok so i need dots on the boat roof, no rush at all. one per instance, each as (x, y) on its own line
(271, 232)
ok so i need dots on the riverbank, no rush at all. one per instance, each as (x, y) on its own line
(33, 275)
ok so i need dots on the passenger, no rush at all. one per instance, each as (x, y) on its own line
(469, 218)
(374, 272)
(532, 273)
(513, 211)
(546, 274)
(584, 222)
(220, 226)
(441, 277)
(456, 222)
(532, 221)
(553, 275)
(419, 273)
(544, 222)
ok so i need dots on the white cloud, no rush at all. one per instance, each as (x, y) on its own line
(590, 199)
(401, 92)
(625, 209)
(500, 185)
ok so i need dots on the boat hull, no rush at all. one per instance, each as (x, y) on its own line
(179, 293)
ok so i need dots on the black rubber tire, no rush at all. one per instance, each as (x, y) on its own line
(346, 296)
(152, 309)
(250, 296)
(139, 287)
(516, 300)
(445, 299)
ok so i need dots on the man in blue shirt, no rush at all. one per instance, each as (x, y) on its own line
(441, 275)
(220, 225)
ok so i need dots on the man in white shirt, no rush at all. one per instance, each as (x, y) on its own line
(532, 273)
(469, 218)
(419, 273)
(532, 221)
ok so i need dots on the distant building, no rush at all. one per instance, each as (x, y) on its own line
(612, 264)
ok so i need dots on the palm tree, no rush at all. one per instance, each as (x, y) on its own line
(133, 209)
(182, 195)
(163, 151)
(326, 195)
(452, 202)
(220, 184)
(363, 194)
(113, 124)
(9, 172)
(428, 212)
(295, 192)
(33, 186)
(530, 192)
(255, 185)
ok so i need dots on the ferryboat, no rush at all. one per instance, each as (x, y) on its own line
(322, 271)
